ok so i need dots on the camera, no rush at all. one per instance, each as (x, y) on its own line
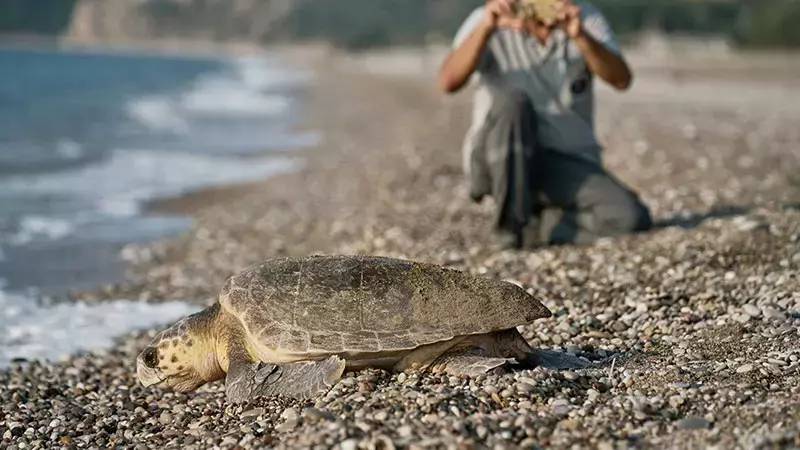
(545, 11)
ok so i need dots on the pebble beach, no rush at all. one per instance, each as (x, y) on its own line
(694, 326)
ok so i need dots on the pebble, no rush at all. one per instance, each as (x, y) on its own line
(570, 376)
(165, 418)
(694, 423)
(254, 412)
(752, 310)
(290, 417)
(317, 414)
(349, 444)
(774, 314)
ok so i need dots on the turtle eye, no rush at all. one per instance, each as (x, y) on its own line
(150, 357)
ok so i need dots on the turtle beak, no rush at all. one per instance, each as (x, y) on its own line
(148, 376)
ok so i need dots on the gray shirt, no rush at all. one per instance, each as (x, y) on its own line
(553, 75)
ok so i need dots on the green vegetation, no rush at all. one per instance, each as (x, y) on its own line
(363, 23)
(671, 16)
(48, 17)
(763, 23)
(770, 23)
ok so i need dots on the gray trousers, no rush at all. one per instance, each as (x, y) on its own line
(547, 197)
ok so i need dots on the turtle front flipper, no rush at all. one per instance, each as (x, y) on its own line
(300, 380)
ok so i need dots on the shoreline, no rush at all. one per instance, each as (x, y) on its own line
(158, 47)
(701, 319)
(150, 209)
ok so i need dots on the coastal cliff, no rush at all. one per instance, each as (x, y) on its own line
(207, 20)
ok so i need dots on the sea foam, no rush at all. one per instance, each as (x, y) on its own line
(119, 184)
(249, 88)
(30, 331)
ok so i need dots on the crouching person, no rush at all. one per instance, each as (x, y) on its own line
(532, 145)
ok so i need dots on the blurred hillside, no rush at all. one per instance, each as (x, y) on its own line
(363, 23)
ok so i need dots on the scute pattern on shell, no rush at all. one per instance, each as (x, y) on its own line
(338, 304)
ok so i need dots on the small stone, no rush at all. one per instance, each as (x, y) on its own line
(573, 349)
(255, 412)
(774, 314)
(317, 414)
(676, 401)
(350, 444)
(347, 382)
(286, 426)
(290, 417)
(165, 418)
(605, 445)
(745, 368)
(752, 310)
(694, 423)
(196, 424)
(749, 224)
(289, 414)
(777, 362)
(561, 407)
(570, 375)
(229, 441)
(525, 388)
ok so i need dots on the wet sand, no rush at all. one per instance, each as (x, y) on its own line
(696, 323)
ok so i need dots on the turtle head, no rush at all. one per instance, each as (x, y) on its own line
(181, 357)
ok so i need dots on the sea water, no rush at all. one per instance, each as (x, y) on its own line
(86, 140)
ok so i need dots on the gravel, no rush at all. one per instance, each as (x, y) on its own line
(695, 326)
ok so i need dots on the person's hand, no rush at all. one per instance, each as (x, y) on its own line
(500, 14)
(570, 20)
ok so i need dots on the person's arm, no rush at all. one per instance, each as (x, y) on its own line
(459, 66)
(603, 62)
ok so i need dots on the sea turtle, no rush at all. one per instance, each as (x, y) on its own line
(293, 326)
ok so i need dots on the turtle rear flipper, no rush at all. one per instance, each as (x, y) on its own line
(469, 362)
(300, 380)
